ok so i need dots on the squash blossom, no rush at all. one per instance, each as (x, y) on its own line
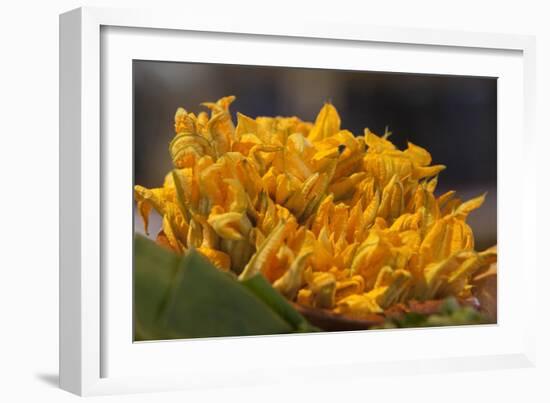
(336, 221)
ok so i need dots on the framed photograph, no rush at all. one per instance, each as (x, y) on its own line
(243, 205)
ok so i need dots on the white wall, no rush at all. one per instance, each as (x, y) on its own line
(29, 201)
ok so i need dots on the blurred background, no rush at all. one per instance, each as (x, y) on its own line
(454, 117)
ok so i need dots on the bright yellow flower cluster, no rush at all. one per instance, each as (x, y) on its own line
(336, 221)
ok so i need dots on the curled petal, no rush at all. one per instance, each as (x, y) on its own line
(220, 259)
(326, 124)
(358, 306)
(232, 226)
(292, 280)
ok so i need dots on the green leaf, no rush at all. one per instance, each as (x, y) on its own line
(450, 314)
(154, 272)
(177, 297)
(206, 302)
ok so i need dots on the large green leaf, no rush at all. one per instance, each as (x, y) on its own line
(154, 272)
(188, 297)
(206, 302)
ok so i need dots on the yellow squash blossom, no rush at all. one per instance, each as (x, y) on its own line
(333, 220)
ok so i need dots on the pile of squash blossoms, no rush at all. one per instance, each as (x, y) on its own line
(335, 221)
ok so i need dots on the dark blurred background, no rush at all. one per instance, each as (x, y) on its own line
(454, 117)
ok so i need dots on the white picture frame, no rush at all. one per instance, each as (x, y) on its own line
(97, 355)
